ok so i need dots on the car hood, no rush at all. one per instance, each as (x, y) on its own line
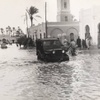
(57, 49)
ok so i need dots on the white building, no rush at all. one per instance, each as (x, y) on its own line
(90, 23)
(65, 27)
(63, 11)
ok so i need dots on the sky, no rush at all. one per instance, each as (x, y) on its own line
(12, 12)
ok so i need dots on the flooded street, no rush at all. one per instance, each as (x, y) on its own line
(22, 77)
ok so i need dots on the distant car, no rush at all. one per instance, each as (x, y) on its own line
(50, 50)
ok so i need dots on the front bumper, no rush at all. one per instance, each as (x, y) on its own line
(54, 57)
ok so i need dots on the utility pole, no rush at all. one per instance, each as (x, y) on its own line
(27, 24)
(46, 19)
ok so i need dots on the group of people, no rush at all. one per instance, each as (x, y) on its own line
(79, 44)
(83, 44)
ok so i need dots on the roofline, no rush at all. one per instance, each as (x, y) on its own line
(48, 39)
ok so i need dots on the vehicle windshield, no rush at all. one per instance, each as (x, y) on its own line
(52, 44)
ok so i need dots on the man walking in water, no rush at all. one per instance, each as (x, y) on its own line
(73, 47)
(78, 42)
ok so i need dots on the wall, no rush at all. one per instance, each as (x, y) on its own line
(90, 17)
(56, 29)
(35, 31)
(63, 29)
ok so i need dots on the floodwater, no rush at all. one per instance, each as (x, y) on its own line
(22, 77)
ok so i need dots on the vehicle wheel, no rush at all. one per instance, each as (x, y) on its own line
(66, 58)
(45, 58)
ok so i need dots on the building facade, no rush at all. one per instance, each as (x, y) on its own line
(63, 11)
(64, 28)
(90, 23)
(55, 29)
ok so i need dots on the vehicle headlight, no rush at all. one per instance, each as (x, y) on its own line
(53, 52)
(63, 51)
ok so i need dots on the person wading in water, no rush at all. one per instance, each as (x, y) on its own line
(72, 47)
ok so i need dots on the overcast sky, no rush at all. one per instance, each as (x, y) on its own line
(12, 11)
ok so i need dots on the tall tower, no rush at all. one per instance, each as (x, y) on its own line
(63, 11)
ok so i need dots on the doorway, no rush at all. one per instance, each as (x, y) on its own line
(87, 32)
(71, 36)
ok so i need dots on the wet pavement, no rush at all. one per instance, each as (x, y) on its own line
(22, 77)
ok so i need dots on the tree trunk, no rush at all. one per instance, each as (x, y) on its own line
(31, 20)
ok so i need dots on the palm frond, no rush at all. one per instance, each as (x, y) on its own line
(34, 19)
(38, 16)
(33, 10)
(28, 12)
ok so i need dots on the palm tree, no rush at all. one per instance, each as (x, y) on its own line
(32, 11)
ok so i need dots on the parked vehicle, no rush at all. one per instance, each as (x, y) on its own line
(3, 46)
(50, 50)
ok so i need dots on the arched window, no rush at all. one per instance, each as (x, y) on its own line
(99, 28)
(40, 36)
(66, 18)
(99, 35)
(65, 5)
(71, 36)
(33, 37)
(87, 31)
(87, 28)
(44, 35)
